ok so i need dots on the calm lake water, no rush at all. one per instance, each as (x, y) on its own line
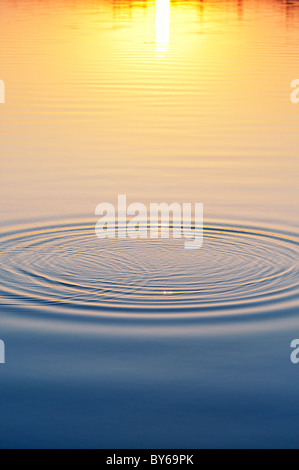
(141, 343)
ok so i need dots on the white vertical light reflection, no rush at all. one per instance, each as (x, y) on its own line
(162, 26)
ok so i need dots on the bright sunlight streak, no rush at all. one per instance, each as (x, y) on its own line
(162, 26)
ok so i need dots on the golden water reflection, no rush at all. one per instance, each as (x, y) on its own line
(160, 100)
(162, 26)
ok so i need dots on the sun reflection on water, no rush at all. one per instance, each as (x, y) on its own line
(162, 26)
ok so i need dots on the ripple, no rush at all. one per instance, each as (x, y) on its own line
(63, 267)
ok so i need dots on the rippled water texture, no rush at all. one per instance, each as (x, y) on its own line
(236, 272)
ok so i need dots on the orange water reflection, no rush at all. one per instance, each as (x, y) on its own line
(166, 100)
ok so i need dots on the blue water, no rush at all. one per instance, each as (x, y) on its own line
(92, 389)
(99, 356)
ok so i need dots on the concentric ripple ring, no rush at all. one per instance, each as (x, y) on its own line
(63, 265)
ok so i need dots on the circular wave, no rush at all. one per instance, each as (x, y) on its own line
(65, 266)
